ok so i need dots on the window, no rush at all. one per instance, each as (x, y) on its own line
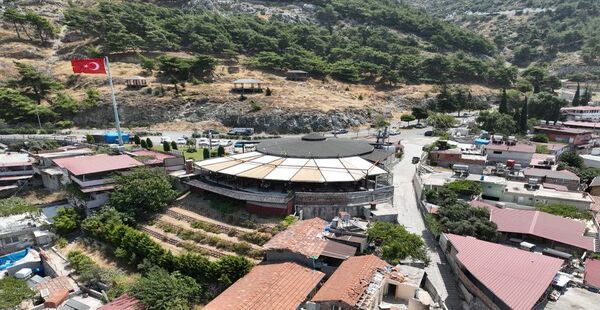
(9, 240)
(497, 152)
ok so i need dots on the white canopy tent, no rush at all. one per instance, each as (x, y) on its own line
(256, 165)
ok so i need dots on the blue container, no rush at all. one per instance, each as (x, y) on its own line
(113, 137)
(481, 142)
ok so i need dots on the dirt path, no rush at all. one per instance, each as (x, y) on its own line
(207, 219)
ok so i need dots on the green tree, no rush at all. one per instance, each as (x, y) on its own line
(546, 106)
(173, 145)
(16, 108)
(220, 151)
(92, 98)
(232, 268)
(523, 117)
(503, 108)
(396, 244)
(441, 121)
(67, 220)
(572, 159)
(161, 290)
(142, 192)
(149, 143)
(587, 97)
(136, 140)
(407, 118)
(143, 144)
(16, 205)
(576, 99)
(465, 187)
(33, 83)
(462, 219)
(13, 291)
(148, 64)
(90, 139)
(420, 113)
(205, 153)
(497, 122)
(65, 105)
(166, 146)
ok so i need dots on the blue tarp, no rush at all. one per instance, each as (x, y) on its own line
(8, 260)
(481, 142)
(113, 137)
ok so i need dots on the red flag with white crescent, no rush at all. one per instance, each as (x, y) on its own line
(89, 65)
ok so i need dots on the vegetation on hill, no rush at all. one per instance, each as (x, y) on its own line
(13, 291)
(396, 243)
(16, 205)
(372, 51)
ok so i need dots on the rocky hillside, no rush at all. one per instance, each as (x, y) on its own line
(366, 59)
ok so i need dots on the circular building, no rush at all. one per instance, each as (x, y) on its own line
(313, 174)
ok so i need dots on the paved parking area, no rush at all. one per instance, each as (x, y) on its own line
(575, 299)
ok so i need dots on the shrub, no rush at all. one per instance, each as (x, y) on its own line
(173, 145)
(255, 237)
(540, 137)
(90, 139)
(255, 106)
(16, 205)
(565, 211)
(149, 143)
(143, 144)
(166, 146)
(268, 92)
(67, 220)
(465, 187)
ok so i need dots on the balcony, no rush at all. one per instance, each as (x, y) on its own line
(93, 182)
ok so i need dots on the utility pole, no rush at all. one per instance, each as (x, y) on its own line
(114, 101)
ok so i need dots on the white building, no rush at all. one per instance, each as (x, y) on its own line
(582, 113)
(20, 231)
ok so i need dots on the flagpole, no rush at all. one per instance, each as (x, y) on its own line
(114, 101)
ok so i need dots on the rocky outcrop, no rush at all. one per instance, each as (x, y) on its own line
(143, 110)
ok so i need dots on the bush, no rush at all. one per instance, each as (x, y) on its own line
(254, 106)
(465, 187)
(255, 237)
(173, 145)
(268, 92)
(565, 211)
(396, 243)
(149, 143)
(166, 146)
(16, 205)
(540, 137)
(407, 118)
(67, 220)
(90, 139)
(13, 291)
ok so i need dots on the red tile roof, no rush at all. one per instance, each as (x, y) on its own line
(350, 280)
(123, 302)
(307, 238)
(581, 108)
(517, 277)
(554, 174)
(519, 147)
(280, 286)
(156, 157)
(592, 272)
(540, 224)
(97, 163)
(560, 129)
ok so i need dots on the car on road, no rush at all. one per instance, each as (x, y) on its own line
(419, 125)
(181, 141)
(429, 133)
(339, 131)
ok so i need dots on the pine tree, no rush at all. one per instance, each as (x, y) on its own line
(576, 99)
(166, 146)
(503, 108)
(220, 151)
(149, 143)
(523, 117)
(205, 153)
(136, 139)
(143, 144)
(173, 145)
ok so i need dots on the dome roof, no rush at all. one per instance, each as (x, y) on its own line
(314, 146)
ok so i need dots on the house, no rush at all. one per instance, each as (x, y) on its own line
(451, 157)
(595, 186)
(500, 152)
(540, 228)
(369, 283)
(582, 113)
(123, 302)
(543, 161)
(591, 275)
(304, 242)
(52, 176)
(594, 126)
(20, 231)
(563, 178)
(136, 82)
(573, 136)
(495, 276)
(296, 75)
(282, 286)
(15, 168)
(92, 176)
(248, 86)
(531, 195)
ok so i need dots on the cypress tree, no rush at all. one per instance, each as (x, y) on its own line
(149, 143)
(143, 144)
(166, 146)
(503, 108)
(205, 153)
(576, 99)
(586, 98)
(523, 117)
(173, 145)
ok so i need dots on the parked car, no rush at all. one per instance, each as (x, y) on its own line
(429, 133)
(415, 159)
(165, 139)
(393, 132)
(241, 131)
(339, 131)
(207, 131)
(181, 141)
(419, 125)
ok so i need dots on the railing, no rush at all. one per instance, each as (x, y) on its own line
(379, 195)
(267, 197)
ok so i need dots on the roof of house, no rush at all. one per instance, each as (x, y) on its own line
(542, 224)
(123, 302)
(555, 174)
(519, 147)
(538, 159)
(97, 163)
(58, 284)
(592, 125)
(307, 238)
(595, 181)
(350, 280)
(153, 157)
(560, 129)
(581, 108)
(272, 286)
(516, 277)
(592, 272)
(14, 160)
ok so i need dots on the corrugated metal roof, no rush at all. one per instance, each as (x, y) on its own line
(592, 272)
(97, 163)
(517, 277)
(283, 286)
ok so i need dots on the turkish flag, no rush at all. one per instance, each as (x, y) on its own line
(89, 65)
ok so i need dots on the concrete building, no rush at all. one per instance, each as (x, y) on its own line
(522, 194)
(451, 157)
(500, 152)
(15, 168)
(20, 231)
(543, 161)
(282, 286)
(593, 126)
(591, 160)
(582, 113)
(92, 175)
(369, 283)
(564, 179)
(306, 242)
(594, 186)
(53, 177)
(573, 136)
(494, 276)
(313, 176)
